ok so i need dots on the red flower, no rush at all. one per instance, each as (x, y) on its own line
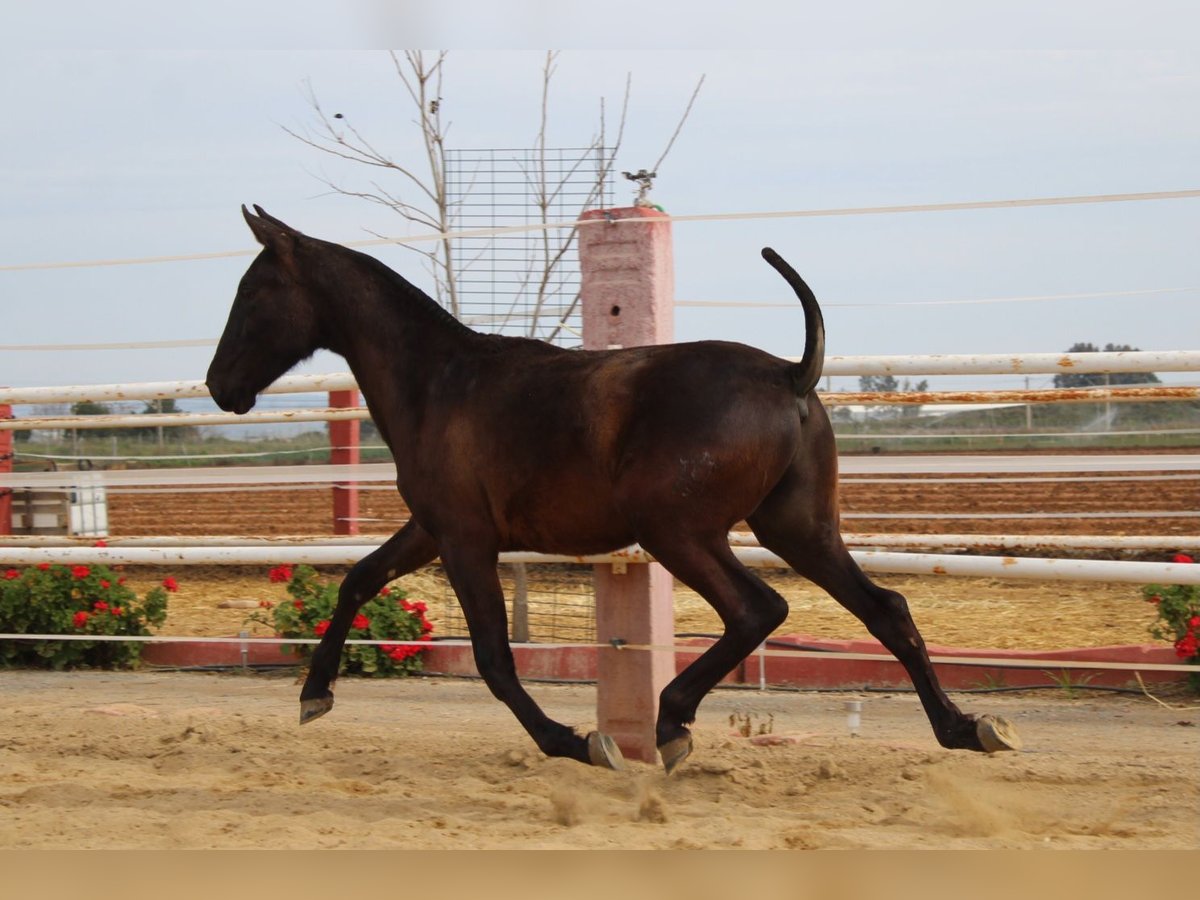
(81, 619)
(418, 606)
(299, 604)
(100, 606)
(1182, 558)
(321, 627)
(265, 604)
(385, 592)
(361, 621)
(426, 626)
(171, 584)
(280, 574)
(1194, 622)
(105, 584)
(80, 571)
(116, 611)
(1187, 646)
(100, 544)
(121, 580)
(10, 574)
(45, 567)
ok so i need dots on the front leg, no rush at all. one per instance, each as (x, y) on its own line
(472, 572)
(405, 551)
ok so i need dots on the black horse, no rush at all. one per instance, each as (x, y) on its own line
(504, 443)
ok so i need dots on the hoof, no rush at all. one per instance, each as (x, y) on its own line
(315, 708)
(996, 733)
(674, 752)
(604, 752)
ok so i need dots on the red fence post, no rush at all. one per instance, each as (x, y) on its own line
(627, 298)
(6, 465)
(344, 450)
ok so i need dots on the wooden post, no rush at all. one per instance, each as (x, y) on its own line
(627, 299)
(344, 450)
(6, 465)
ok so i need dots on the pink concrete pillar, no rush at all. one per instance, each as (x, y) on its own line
(6, 465)
(627, 300)
(343, 450)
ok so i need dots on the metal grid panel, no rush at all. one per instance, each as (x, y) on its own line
(522, 284)
(561, 603)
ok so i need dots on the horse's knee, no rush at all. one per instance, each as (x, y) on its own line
(775, 611)
(894, 603)
(758, 620)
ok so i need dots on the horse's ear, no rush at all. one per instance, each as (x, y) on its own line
(272, 234)
(274, 221)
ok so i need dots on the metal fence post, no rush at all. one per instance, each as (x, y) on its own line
(344, 450)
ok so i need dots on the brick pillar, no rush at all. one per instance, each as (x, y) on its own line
(6, 465)
(628, 295)
(343, 450)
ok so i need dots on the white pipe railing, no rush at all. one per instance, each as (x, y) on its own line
(979, 364)
(284, 544)
(1016, 364)
(840, 398)
(385, 472)
(165, 390)
(870, 560)
(943, 364)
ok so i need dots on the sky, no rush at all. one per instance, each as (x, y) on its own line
(134, 153)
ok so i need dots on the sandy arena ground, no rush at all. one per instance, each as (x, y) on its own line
(175, 760)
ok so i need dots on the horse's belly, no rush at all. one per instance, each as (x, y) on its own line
(577, 526)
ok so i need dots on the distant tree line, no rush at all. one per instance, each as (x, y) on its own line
(1100, 379)
(150, 432)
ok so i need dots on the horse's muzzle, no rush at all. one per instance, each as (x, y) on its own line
(229, 400)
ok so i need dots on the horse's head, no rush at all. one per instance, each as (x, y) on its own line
(273, 323)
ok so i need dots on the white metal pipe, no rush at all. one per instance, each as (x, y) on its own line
(1016, 363)
(1144, 543)
(842, 398)
(1132, 394)
(190, 419)
(942, 364)
(363, 473)
(163, 390)
(286, 544)
(114, 478)
(870, 560)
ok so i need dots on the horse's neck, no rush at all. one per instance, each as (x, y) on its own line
(389, 331)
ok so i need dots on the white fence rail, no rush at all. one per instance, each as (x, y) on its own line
(957, 364)
(870, 560)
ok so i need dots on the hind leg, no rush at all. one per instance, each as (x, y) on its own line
(825, 560)
(750, 611)
(408, 549)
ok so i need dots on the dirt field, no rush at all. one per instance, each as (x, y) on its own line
(193, 761)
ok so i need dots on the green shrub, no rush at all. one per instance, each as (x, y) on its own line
(75, 600)
(386, 617)
(1178, 620)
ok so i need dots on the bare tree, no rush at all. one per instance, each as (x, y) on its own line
(423, 198)
(339, 137)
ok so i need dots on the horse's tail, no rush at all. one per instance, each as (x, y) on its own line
(806, 373)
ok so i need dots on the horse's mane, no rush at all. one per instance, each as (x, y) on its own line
(415, 300)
